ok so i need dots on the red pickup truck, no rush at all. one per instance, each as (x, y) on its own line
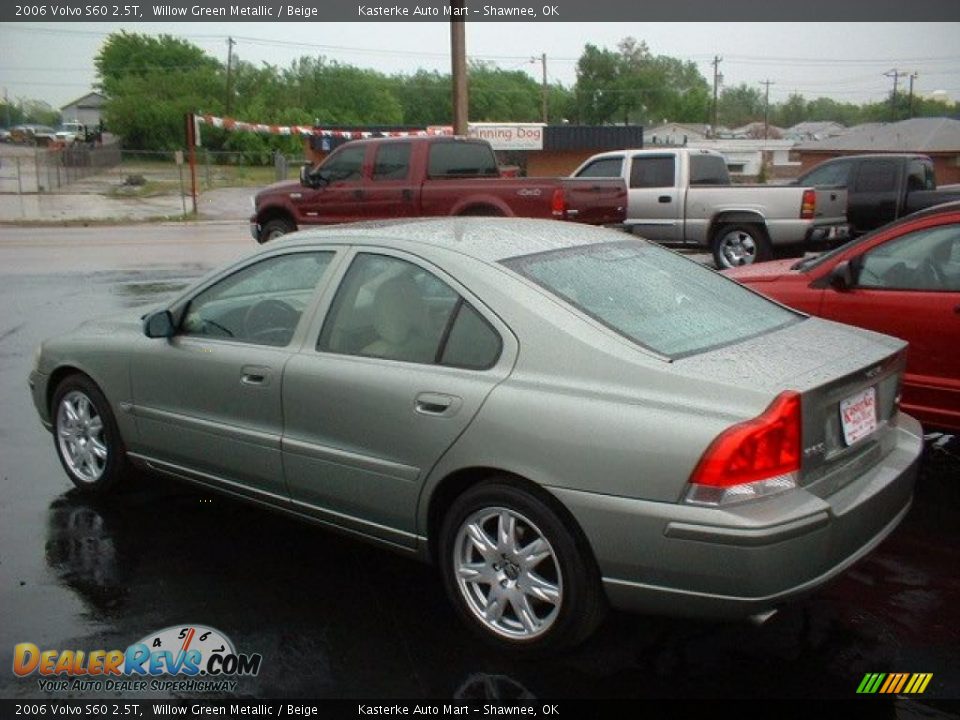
(426, 176)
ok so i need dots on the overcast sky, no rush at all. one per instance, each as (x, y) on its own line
(54, 61)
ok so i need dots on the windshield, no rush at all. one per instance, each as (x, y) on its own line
(653, 296)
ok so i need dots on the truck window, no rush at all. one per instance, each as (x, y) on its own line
(876, 176)
(653, 171)
(920, 176)
(604, 167)
(392, 161)
(709, 170)
(451, 159)
(344, 165)
(837, 173)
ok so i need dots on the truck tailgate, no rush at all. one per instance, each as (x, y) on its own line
(831, 205)
(598, 201)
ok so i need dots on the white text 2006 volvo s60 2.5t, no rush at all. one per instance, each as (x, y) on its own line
(560, 417)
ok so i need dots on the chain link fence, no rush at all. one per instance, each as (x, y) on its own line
(108, 169)
(29, 169)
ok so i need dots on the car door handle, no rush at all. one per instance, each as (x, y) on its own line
(358, 194)
(664, 199)
(430, 403)
(255, 375)
(957, 309)
(407, 195)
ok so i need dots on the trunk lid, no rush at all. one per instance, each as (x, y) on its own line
(848, 379)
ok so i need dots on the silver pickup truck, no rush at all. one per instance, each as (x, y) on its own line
(684, 196)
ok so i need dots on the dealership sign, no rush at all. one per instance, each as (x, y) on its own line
(509, 136)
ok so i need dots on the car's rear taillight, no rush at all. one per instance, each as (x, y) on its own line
(752, 459)
(808, 205)
(558, 204)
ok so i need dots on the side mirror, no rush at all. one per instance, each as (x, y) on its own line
(842, 277)
(312, 178)
(159, 325)
(305, 178)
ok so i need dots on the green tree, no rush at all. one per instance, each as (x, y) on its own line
(740, 105)
(597, 92)
(632, 85)
(790, 112)
(151, 83)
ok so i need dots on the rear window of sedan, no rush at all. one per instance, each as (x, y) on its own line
(653, 297)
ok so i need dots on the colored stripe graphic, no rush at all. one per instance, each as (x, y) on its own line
(894, 683)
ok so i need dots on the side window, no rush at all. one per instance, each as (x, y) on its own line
(461, 158)
(260, 304)
(927, 259)
(652, 172)
(345, 165)
(392, 161)
(920, 176)
(393, 309)
(472, 343)
(709, 170)
(837, 173)
(604, 167)
(876, 176)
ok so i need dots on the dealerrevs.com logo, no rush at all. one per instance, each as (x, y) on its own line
(185, 658)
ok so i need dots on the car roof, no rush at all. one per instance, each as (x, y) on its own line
(488, 239)
(874, 156)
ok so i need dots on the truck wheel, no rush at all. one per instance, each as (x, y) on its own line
(736, 245)
(275, 228)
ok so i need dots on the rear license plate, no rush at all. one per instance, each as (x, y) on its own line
(858, 415)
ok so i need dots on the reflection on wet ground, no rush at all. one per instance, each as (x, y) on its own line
(334, 617)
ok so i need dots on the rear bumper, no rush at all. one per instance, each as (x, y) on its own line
(821, 236)
(694, 561)
(254, 229)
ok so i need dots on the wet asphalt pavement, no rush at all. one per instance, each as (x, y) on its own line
(333, 617)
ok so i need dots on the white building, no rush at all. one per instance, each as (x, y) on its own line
(87, 110)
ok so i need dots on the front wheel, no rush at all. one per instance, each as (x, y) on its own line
(515, 572)
(275, 228)
(736, 245)
(86, 436)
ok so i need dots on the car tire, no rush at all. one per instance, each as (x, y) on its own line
(275, 228)
(86, 437)
(516, 572)
(740, 244)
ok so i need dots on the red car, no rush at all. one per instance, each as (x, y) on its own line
(902, 280)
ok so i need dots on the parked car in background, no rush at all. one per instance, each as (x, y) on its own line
(685, 197)
(903, 280)
(33, 134)
(421, 177)
(71, 132)
(557, 415)
(4, 135)
(881, 187)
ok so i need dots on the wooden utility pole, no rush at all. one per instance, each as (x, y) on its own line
(766, 108)
(230, 44)
(192, 157)
(913, 76)
(896, 75)
(458, 57)
(543, 61)
(716, 83)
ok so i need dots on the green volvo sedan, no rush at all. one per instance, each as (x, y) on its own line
(561, 418)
